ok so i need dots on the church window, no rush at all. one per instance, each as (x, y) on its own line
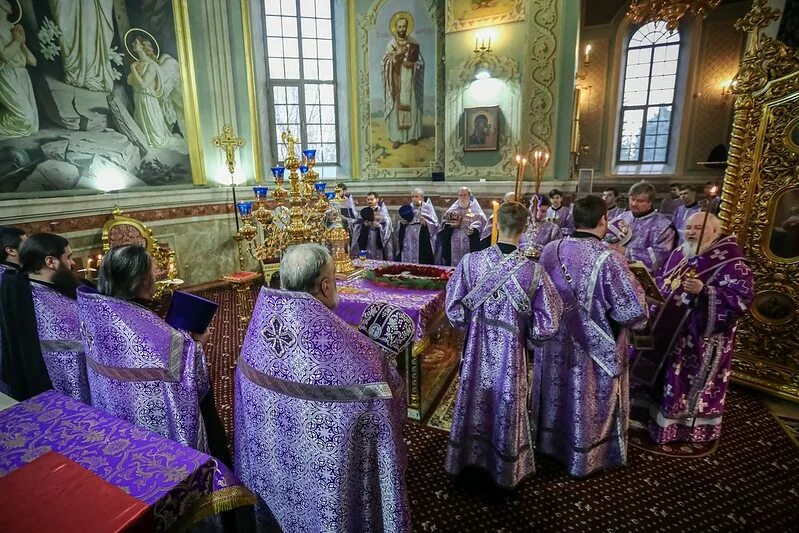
(648, 95)
(302, 81)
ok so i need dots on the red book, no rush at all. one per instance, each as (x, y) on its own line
(54, 493)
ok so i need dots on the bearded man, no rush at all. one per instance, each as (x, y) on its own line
(42, 346)
(689, 207)
(372, 231)
(416, 238)
(403, 84)
(688, 370)
(461, 227)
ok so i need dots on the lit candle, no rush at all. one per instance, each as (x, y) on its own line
(476, 39)
(88, 269)
(489, 42)
(711, 193)
(494, 226)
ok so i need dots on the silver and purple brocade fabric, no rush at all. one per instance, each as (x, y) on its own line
(505, 303)
(410, 245)
(388, 326)
(690, 403)
(176, 481)
(58, 326)
(143, 370)
(652, 241)
(318, 414)
(583, 373)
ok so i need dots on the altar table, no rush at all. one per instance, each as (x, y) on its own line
(177, 485)
(435, 353)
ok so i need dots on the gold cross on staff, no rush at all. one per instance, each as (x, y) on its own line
(228, 141)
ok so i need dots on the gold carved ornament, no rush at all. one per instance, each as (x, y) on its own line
(762, 166)
(670, 11)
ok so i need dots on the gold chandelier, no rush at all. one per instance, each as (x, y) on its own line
(669, 11)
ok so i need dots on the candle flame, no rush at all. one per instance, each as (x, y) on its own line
(713, 190)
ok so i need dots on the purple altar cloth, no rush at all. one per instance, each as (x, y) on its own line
(423, 306)
(180, 484)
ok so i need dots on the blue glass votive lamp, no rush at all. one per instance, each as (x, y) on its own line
(261, 192)
(303, 169)
(245, 208)
(320, 187)
(278, 172)
(309, 154)
(330, 195)
(362, 255)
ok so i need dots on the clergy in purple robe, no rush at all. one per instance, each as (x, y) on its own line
(461, 228)
(653, 235)
(688, 370)
(506, 302)
(559, 213)
(611, 196)
(582, 374)
(140, 368)
(416, 238)
(11, 239)
(668, 206)
(42, 330)
(689, 207)
(372, 230)
(344, 204)
(319, 408)
(540, 231)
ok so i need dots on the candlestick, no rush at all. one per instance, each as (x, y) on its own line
(521, 162)
(88, 269)
(495, 223)
(711, 194)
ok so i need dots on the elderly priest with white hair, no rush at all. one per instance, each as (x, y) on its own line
(416, 238)
(319, 407)
(706, 289)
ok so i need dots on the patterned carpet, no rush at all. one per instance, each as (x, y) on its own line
(747, 484)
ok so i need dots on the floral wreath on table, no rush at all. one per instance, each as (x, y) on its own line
(410, 276)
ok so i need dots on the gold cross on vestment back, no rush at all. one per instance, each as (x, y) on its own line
(229, 142)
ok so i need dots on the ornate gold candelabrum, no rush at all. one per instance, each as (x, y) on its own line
(274, 222)
(540, 159)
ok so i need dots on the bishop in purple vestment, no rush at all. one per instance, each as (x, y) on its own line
(140, 368)
(319, 407)
(461, 228)
(11, 239)
(506, 302)
(44, 347)
(416, 238)
(540, 231)
(688, 370)
(372, 230)
(582, 374)
(653, 235)
(689, 207)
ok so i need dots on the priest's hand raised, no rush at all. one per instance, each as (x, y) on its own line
(693, 285)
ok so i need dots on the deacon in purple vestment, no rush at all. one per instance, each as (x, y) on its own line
(558, 213)
(11, 239)
(689, 207)
(42, 332)
(461, 228)
(372, 231)
(319, 408)
(506, 302)
(653, 235)
(582, 374)
(140, 368)
(540, 231)
(688, 370)
(416, 238)
(611, 195)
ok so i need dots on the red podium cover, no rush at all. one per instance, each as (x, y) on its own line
(54, 493)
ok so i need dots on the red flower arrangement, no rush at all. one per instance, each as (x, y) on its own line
(410, 276)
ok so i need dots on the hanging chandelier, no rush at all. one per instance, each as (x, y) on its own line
(669, 11)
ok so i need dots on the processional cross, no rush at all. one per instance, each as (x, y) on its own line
(228, 142)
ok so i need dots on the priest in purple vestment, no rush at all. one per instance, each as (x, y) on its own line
(668, 206)
(11, 239)
(506, 302)
(540, 231)
(559, 213)
(689, 207)
(372, 230)
(416, 238)
(140, 368)
(582, 374)
(688, 370)
(319, 408)
(461, 228)
(653, 235)
(41, 329)
(611, 196)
